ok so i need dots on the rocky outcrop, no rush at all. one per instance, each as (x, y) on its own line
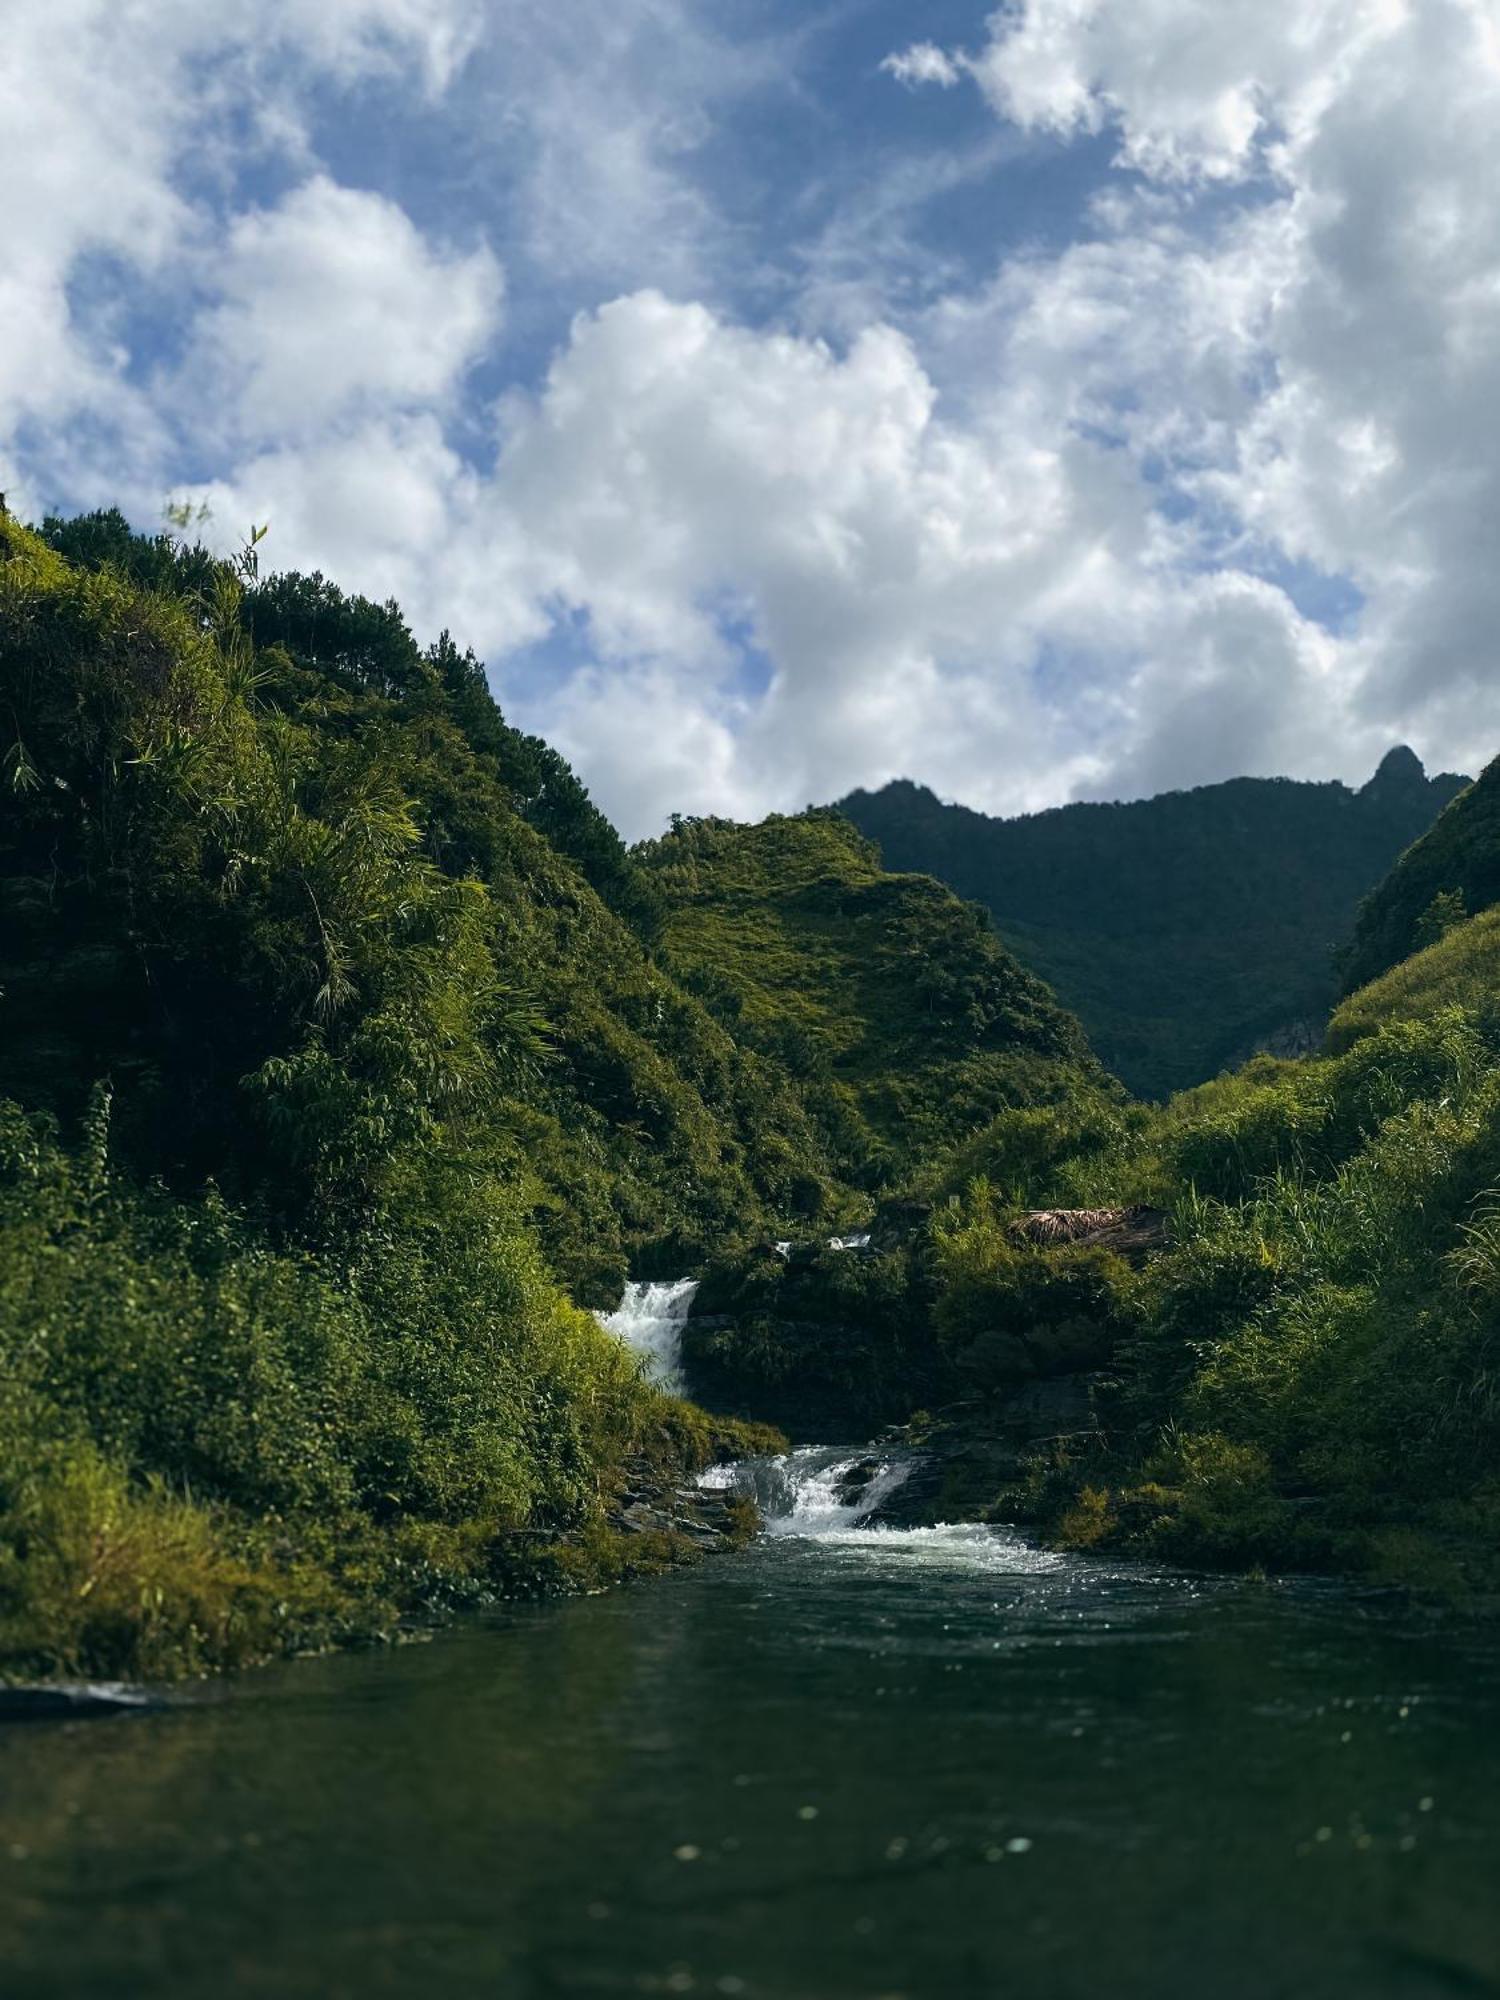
(708, 1520)
(975, 1458)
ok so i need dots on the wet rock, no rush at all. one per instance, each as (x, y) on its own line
(896, 1222)
(976, 1455)
(71, 1700)
(1060, 1407)
(1010, 1360)
(856, 1480)
(708, 1518)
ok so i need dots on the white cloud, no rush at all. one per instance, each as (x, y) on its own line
(923, 62)
(333, 302)
(594, 114)
(1314, 379)
(1193, 87)
(113, 123)
(1049, 538)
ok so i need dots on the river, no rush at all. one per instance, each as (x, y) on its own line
(847, 1762)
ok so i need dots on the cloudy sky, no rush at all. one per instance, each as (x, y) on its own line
(1073, 400)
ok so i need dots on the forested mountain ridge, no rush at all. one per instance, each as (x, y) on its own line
(1185, 931)
(344, 1053)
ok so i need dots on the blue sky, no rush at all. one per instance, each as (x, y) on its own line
(1060, 401)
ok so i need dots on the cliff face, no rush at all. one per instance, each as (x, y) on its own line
(1185, 930)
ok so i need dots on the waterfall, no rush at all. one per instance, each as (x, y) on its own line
(820, 1490)
(650, 1320)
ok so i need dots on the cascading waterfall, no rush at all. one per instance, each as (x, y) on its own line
(827, 1494)
(650, 1320)
(820, 1490)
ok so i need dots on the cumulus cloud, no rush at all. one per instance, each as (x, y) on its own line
(795, 575)
(332, 302)
(1074, 529)
(1308, 374)
(1193, 88)
(923, 62)
(991, 603)
(115, 124)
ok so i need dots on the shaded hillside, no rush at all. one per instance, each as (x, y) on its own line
(1453, 871)
(1184, 931)
(893, 1005)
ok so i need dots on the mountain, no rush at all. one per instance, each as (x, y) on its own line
(1453, 871)
(1185, 931)
(345, 1052)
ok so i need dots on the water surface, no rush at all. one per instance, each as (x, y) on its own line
(859, 1764)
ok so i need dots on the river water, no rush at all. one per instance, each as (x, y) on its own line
(847, 1762)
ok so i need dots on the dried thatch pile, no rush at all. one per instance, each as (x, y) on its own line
(1129, 1231)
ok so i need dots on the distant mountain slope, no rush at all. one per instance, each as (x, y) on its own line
(1186, 930)
(1451, 872)
(891, 1004)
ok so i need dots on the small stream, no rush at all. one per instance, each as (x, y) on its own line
(851, 1763)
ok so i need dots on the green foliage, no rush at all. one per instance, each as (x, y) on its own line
(310, 1441)
(894, 1005)
(1007, 1313)
(1461, 968)
(1314, 1363)
(1453, 869)
(1185, 931)
(1443, 914)
(832, 1344)
(364, 1030)
(263, 808)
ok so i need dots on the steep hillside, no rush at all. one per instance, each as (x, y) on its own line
(177, 924)
(892, 1004)
(1451, 872)
(1184, 931)
(344, 1054)
(1461, 968)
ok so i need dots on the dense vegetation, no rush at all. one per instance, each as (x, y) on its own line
(346, 1055)
(1301, 1367)
(1453, 871)
(1186, 931)
(343, 1058)
(1309, 1372)
(902, 1020)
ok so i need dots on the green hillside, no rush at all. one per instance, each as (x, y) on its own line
(1461, 969)
(1451, 872)
(1184, 931)
(344, 1054)
(1258, 1323)
(892, 1005)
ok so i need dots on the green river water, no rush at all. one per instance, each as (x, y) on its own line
(843, 1763)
